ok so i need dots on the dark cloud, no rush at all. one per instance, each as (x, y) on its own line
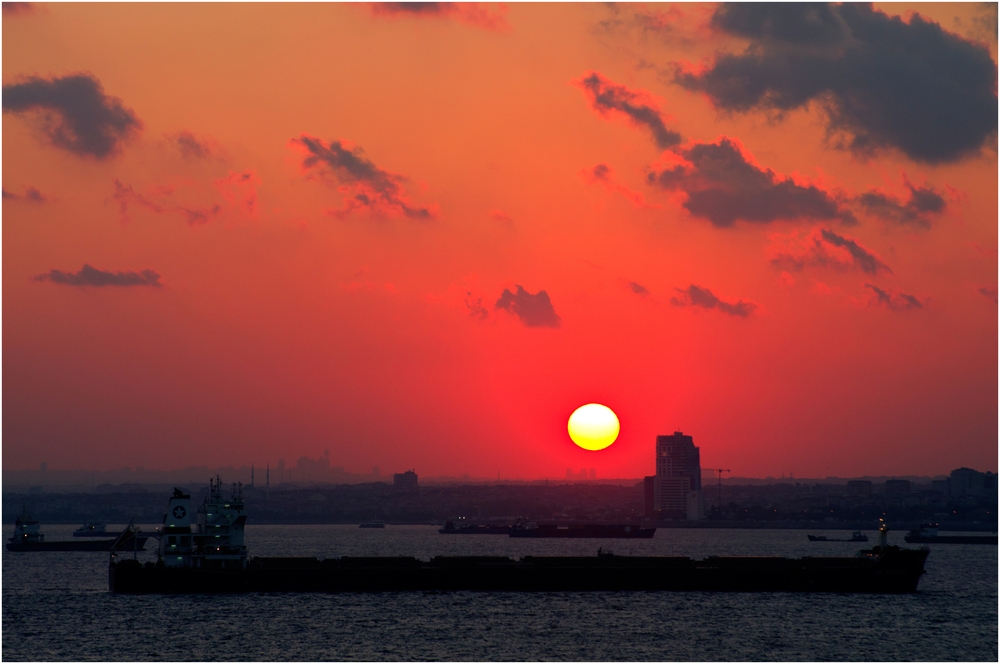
(533, 310)
(866, 260)
(607, 98)
(821, 247)
(190, 146)
(15, 8)
(91, 276)
(637, 289)
(883, 83)
(30, 194)
(602, 172)
(378, 190)
(696, 296)
(990, 292)
(895, 300)
(472, 13)
(923, 202)
(722, 185)
(75, 113)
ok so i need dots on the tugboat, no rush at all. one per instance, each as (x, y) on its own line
(210, 558)
(92, 529)
(928, 534)
(27, 537)
(373, 523)
(856, 536)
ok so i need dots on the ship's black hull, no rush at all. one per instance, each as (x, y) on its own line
(897, 571)
(476, 530)
(950, 539)
(79, 545)
(604, 532)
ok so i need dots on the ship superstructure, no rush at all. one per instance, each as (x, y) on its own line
(215, 541)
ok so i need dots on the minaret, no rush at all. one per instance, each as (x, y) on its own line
(251, 473)
(267, 482)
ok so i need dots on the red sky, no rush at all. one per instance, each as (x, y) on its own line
(421, 237)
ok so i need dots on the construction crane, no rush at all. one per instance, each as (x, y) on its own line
(720, 471)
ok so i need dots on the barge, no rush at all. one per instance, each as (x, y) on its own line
(27, 537)
(210, 557)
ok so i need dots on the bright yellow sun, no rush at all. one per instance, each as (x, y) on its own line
(593, 427)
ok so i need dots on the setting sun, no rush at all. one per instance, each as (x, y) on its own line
(593, 427)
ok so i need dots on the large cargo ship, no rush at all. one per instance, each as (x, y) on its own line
(27, 537)
(461, 526)
(210, 557)
(617, 531)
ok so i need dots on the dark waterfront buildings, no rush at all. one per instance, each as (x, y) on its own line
(405, 481)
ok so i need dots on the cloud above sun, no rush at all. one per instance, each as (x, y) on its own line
(882, 82)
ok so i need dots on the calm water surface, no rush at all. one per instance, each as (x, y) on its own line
(56, 606)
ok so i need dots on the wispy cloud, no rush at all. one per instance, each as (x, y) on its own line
(697, 296)
(191, 146)
(603, 175)
(637, 106)
(91, 276)
(916, 211)
(11, 9)
(369, 187)
(477, 14)
(821, 247)
(638, 289)
(30, 195)
(894, 300)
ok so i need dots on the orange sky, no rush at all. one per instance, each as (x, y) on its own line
(319, 226)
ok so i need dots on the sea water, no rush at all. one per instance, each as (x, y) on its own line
(56, 606)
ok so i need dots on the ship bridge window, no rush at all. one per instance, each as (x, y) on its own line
(185, 540)
(172, 540)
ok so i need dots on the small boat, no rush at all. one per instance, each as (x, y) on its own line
(92, 529)
(928, 534)
(374, 523)
(855, 537)
(27, 537)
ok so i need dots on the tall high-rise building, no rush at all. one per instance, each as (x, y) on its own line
(677, 484)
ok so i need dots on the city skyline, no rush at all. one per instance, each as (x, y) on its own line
(421, 236)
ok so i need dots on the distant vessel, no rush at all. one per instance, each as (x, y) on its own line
(928, 534)
(374, 523)
(27, 537)
(532, 529)
(855, 537)
(459, 525)
(92, 529)
(210, 557)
